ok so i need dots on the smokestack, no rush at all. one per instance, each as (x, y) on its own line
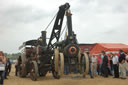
(43, 38)
(69, 22)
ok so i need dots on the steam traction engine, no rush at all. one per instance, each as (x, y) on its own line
(56, 54)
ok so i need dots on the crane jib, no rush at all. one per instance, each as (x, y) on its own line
(58, 24)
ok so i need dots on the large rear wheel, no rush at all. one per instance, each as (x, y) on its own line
(22, 66)
(34, 71)
(58, 68)
(61, 64)
(83, 64)
(79, 62)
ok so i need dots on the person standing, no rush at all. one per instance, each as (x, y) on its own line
(93, 65)
(101, 65)
(2, 67)
(98, 64)
(90, 72)
(9, 66)
(111, 62)
(17, 65)
(109, 65)
(6, 69)
(115, 65)
(105, 64)
(122, 64)
(16, 68)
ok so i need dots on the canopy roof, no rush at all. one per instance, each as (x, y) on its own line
(30, 42)
(108, 47)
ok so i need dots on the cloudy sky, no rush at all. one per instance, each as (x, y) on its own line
(104, 21)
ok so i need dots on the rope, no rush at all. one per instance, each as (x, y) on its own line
(63, 30)
(50, 22)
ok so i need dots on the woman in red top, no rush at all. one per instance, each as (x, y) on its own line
(98, 64)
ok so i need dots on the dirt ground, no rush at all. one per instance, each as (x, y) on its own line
(65, 80)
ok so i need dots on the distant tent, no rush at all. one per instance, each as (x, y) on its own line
(108, 47)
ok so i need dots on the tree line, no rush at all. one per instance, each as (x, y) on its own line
(12, 56)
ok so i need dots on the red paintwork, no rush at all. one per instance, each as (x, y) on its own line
(86, 46)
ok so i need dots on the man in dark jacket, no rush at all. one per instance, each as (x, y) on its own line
(9, 66)
(105, 64)
(122, 56)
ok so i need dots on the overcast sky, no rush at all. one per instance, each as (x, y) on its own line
(104, 21)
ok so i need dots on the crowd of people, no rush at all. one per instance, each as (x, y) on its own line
(105, 64)
(5, 67)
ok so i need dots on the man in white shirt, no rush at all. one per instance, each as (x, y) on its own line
(93, 65)
(115, 65)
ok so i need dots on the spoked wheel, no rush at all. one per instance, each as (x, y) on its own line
(22, 66)
(61, 64)
(84, 64)
(34, 71)
(79, 61)
(58, 68)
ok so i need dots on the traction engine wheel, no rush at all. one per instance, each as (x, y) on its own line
(83, 64)
(79, 61)
(34, 71)
(22, 68)
(58, 69)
